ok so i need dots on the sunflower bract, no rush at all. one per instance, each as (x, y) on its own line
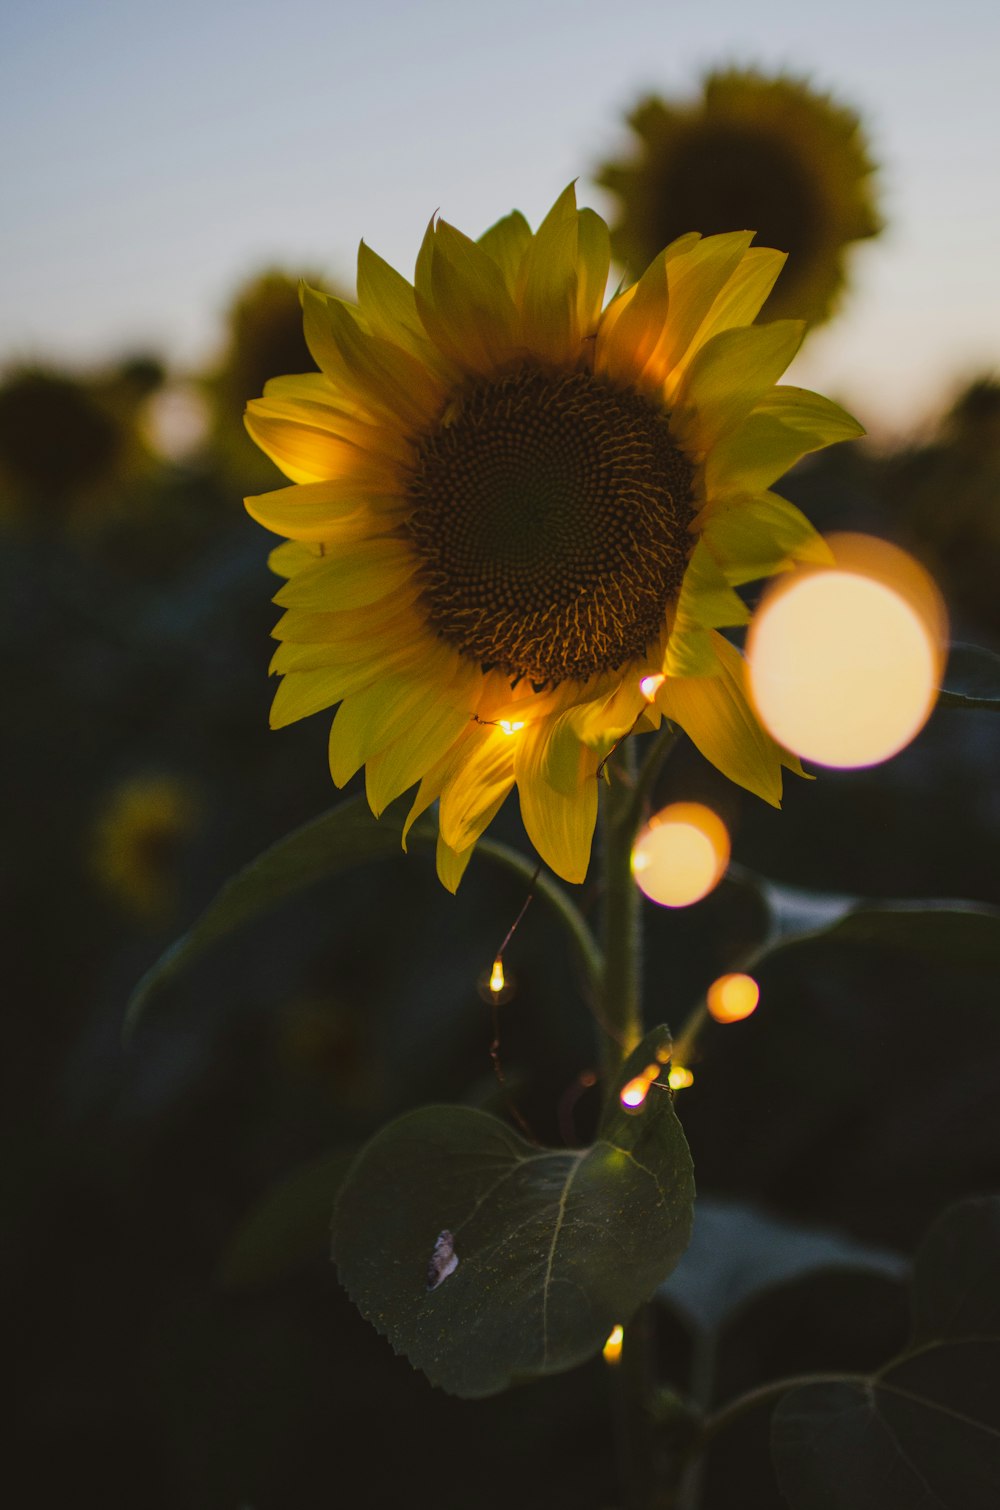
(510, 504)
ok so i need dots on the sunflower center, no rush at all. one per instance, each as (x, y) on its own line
(550, 518)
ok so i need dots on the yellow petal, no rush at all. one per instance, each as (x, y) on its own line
(625, 347)
(754, 536)
(729, 375)
(333, 510)
(384, 377)
(304, 452)
(551, 284)
(477, 785)
(560, 826)
(388, 303)
(594, 261)
(370, 721)
(742, 298)
(451, 866)
(360, 572)
(716, 715)
(377, 622)
(697, 272)
(785, 425)
(506, 242)
(302, 693)
(463, 301)
(706, 602)
(292, 557)
(427, 738)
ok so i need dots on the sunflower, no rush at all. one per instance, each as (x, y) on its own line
(517, 519)
(138, 839)
(767, 152)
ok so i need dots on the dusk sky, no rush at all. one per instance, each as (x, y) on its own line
(157, 155)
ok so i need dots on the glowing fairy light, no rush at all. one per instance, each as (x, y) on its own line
(613, 1346)
(844, 662)
(497, 981)
(650, 686)
(733, 997)
(680, 855)
(679, 1077)
(511, 727)
(635, 1093)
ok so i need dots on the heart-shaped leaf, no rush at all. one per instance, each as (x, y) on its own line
(553, 1246)
(972, 679)
(924, 1432)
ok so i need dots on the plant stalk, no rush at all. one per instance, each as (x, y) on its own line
(632, 1379)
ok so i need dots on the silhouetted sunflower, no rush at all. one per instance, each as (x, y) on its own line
(770, 153)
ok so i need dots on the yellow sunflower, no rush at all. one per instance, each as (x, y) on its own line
(768, 152)
(517, 517)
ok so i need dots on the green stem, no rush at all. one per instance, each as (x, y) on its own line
(622, 1026)
(764, 1394)
(621, 994)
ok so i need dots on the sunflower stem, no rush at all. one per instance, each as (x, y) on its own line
(632, 1380)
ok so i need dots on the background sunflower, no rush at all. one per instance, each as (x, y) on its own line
(755, 150)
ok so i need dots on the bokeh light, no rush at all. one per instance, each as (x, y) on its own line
(733, 997)
(634, 1093)
(681, 854)
(845, 661)
(679, 1078)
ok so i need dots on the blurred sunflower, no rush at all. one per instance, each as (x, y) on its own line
(516, 521)
(754, 150)
(137, 842)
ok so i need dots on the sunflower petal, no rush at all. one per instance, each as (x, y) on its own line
(292, 557)
(594, 255)
(625, 348)
(463, 300)
(360, 572)
(477, 786)
(304, 452)
(754, 536)
(387, 379)
(551, 284)
(559, 825)
(396, 768)
(784, 426)
(335, 509)
(716, 715)
(729, 375)
(697, 273)
(506, 242)
(706, 602)
(388, 303)
(451, 866)
(742, 298)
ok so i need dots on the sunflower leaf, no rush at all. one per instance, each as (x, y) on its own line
(338, 840)
(925, 1429)
(553, 1246)
(950, 930)
(972, 679)
(345, 836)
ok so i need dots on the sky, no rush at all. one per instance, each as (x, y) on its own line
(155, 156)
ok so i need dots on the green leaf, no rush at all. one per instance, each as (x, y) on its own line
(289, 1227)
(338, 840)
(951, 930)
(738, 1251)
(972, 679)
(924, 1432)
(326, 846)
(554, 1246)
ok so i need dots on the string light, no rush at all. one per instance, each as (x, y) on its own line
(679, 1077)
(613, 1346)
(732, 997)
(634, 1094)
(680, 855)
(497, 981)
(510, 727)
(844, 662)
(650, 685)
